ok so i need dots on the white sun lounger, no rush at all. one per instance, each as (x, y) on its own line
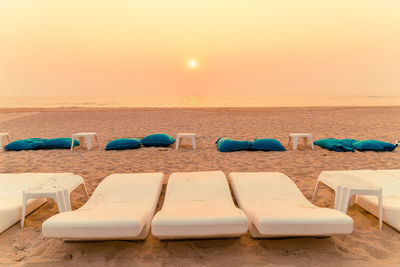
(11, 187)
(198, 205)
(389, 180)
(276, 207)
(121, 208)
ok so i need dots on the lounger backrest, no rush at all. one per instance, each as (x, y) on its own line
(265, 187)
(184, 187)
(140, 188)
(390, 183)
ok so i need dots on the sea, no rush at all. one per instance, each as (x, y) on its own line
(201, 101)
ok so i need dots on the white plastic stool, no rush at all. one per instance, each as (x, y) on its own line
(1, 139)
(58, 188)
(192, 136)
(296, 136)
(346, 188)
(88, 139)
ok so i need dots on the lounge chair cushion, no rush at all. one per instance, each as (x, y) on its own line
(25, 144)
(162, 140)
(229, 145)
(337, 145)
(267, 145)
(373, 145)
(123, 143)
(58, 143)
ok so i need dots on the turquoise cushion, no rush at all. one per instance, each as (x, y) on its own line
(58, 143)
(374, 145)
(267, 145)
(337, 145)
(123, 143)
(228, 145)
(25, 144)
(158, 140)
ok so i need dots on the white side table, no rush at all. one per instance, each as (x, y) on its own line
(346, 187)
(179, 136)
(88, 138)
(296, 136)
(58, 187)
(2, 135)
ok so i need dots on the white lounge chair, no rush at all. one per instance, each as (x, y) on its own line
(121, 208)
(389, 180)
(11, 187)
(198, 205)
(276, 207)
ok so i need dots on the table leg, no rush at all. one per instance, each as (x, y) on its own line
(88, 142)
(295, 141)
(194, 142)
(72, 143)
(67, 200)
(178, 138)
(316, 188)
(290, 138)
(380, 209)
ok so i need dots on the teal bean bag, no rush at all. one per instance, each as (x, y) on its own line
(338, 145)
(374, 145)
(123, 144)
(25, 144)
(229, 145)
(58, 143)
(267, 145)
(162, 140)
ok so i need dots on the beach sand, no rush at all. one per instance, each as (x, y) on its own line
(366, 246)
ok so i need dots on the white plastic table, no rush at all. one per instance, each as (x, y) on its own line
(2, 135)
(179, 136)
(346, 187)
(88, 138)
(58, 188)
(296, 136)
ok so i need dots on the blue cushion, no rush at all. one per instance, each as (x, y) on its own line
(58, 143)
(25, 144)
(158, 140)
(123, 143)
(228, 145)
(337, 145)
(374, 145)
(267, 145)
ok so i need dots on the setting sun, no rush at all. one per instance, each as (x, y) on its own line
(192, 64)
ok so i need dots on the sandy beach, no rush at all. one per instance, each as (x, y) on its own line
(366, 246)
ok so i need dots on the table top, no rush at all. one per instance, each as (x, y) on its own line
(88, 133)
(334, 180)
(186, 134)
(300, 134)
(56, 183)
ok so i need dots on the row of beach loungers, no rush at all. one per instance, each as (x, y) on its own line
(196, 205)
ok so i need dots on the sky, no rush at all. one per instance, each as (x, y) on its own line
(187, 47)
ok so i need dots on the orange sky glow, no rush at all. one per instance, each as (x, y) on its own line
(187, 47)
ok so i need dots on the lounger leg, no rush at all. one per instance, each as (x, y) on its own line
(178, 139)
(72, 143)
(316, 188)
(24, 200)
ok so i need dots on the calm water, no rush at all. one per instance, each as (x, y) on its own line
(204, 101)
